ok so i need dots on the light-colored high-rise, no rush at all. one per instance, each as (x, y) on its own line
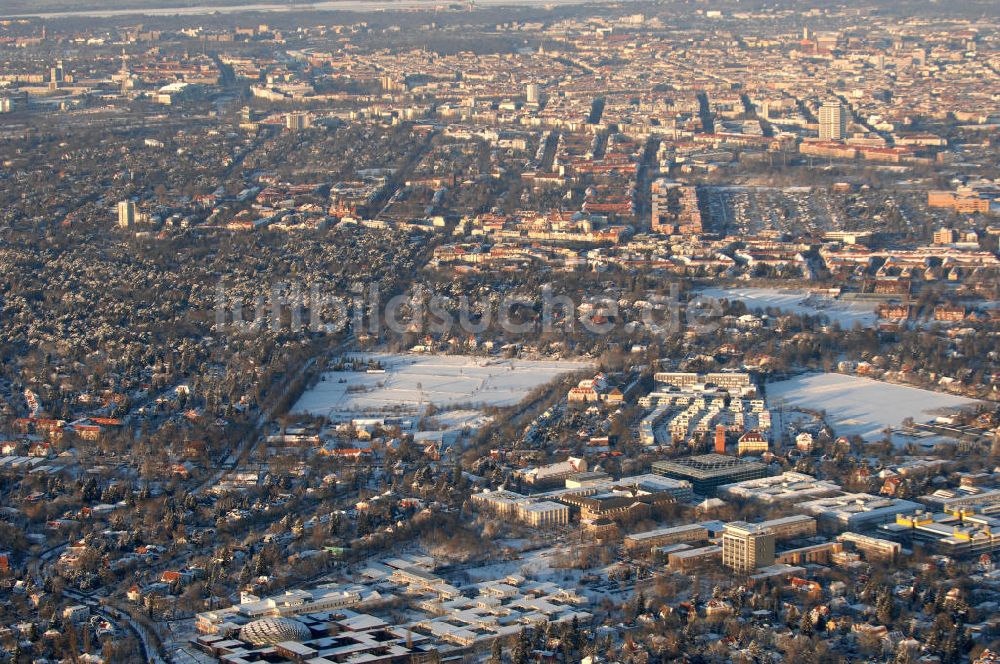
(747, 546)
(832, 121)
(532, 93)
(298, 121)
(126, 214)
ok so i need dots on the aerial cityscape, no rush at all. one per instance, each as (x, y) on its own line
(500, 331)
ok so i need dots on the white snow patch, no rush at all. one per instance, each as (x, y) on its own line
(799, 301)
(861, 406)
(411, 382)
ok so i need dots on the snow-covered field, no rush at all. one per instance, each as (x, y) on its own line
(799, 301)
(411, 382)
(860, 406)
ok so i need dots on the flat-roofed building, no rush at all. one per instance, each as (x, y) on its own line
(681, 379)
(690, 559)
(728, 380)
(618, 503)
(959, 533)
(544, 513)
(654, 483)
(813, 553)
(589, 478)
(499, 502)
(127, 214)
(855, 511)
(534, 511)
(790, 527)
(874, 548)
(787, 487)
(833, 121)
(747, 546)
(706, 472)
(645, 541)
(685, 380)
(948, 499)
(288, 604)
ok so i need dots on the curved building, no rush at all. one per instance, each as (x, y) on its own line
(268, 631)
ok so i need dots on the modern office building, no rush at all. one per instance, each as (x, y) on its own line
(747, 546)
(832, 121)
(706, 472)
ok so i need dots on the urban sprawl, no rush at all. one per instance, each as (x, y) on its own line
(500, 333)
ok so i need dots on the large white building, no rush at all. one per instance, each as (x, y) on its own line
(551, 508)
(298, 121)
(544, 513)
(438, 617)
(787, 487)
(856, 511)
(554, 472)
(288, 604)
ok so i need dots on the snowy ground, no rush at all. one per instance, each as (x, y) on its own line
(545, 565)
(860, 406)
(411, 382)
(799, 301)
